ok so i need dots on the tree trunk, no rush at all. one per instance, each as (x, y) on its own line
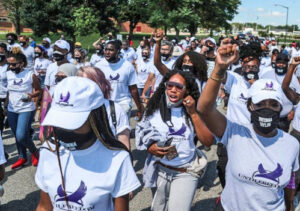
(17, 21)
(166, 30)
(132, 26)
(177, 33)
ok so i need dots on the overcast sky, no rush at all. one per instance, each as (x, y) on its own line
(265, 12)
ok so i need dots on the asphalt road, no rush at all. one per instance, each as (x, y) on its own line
(22, 194)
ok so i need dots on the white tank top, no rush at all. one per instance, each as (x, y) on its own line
(19, 85)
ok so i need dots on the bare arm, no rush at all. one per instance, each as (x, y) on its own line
(202, 132)
(36, 87)
(136, 98)
(122, 203)
(290, 94)
(147, 85)
(214, 120)
(124, 137)
(157, 56)
(96, 42)
(45, 202)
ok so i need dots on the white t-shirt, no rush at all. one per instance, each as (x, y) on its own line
(158, 77)
(287, 104)
(50, 74)
(273, 47)
(29, 53)
(121, 75)
(128, 54)
(95, 59)
(264, 63)
(210, 67)
(93, 177)
(237, 87)
(19, 85)
(258, 168)
(296, 120)
(2, 154)
(41, 64)
(143, 71)
(3, 81)
(295, 53)
(182, 134)
(121, 119)
(50, 52)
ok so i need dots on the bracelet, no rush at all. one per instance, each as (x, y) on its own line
(217, 79)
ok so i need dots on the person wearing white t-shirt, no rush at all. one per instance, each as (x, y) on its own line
(61, 49)
(127, 52)
(80, 58)
(143, 68)
(90, 169)
(3, 81)
(11, 41)
(23, 86)
(294, 97)
(209, 51)
(260, 174)
(295, 52)
(122, 77)
(27, 50)
(118, 120)
(41, 63)
(167, 131)
(47, 44)
(96, 57)
(278, 73)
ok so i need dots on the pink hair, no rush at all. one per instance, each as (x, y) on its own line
(96, 75)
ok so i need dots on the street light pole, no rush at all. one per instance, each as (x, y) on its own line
(287, 16)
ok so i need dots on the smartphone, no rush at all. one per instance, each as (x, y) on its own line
(172, 152)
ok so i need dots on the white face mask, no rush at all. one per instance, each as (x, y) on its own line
(171, 104)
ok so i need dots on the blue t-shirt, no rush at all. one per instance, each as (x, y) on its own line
(258, 168)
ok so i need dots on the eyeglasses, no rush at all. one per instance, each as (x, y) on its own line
(178, 86)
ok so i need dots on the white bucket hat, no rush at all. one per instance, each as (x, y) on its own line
(210, 39)
(264, 89)
(62, 44)
(73, 100)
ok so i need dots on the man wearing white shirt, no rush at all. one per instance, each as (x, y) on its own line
(122, 77)
(11, 40)
(128, 53)
(46, 43)
(28, 51)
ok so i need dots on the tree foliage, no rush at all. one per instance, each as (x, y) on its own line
(13, 8)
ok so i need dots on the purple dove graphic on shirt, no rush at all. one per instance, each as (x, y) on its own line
(269, 85)
(143, 70)
(19, 83)
(75, 197)
(271, 175)
(114, 78)
(179, 132)
(243, 97)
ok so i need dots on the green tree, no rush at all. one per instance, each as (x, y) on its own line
(13, 8)
(133, 11)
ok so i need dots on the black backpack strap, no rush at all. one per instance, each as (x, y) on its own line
(113, 113)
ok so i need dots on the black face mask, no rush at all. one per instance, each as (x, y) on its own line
(2, 57)
(250, 75)
(22, 44)
(10, 41)
(72, 141)
(77, 59)
(46, 45)
(165, 56)
(265, 120)
(209, 48)
(15, 70)
(145, 57)
(187, 68)
(98, 51)
(37, 54)
(280, 70)
(58, 57)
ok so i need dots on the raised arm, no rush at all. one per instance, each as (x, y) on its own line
(157, 56)
(215, 121)
(291, 94)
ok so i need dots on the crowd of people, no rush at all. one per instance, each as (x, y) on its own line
(178, 87)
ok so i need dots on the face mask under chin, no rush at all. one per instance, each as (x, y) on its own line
(171, 104)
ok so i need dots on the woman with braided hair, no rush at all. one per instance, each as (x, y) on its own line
(167, 131)
(86, 168)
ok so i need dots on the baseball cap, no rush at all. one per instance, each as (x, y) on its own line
(210, 39)
(62, 44)
(47, 39)
(78, 44)
(264, 89)
(177, 51)
(73, 100)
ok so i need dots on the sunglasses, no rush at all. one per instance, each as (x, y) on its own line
(178, 86)
(12, 64)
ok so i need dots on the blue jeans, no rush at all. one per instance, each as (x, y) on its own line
(20, 124)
